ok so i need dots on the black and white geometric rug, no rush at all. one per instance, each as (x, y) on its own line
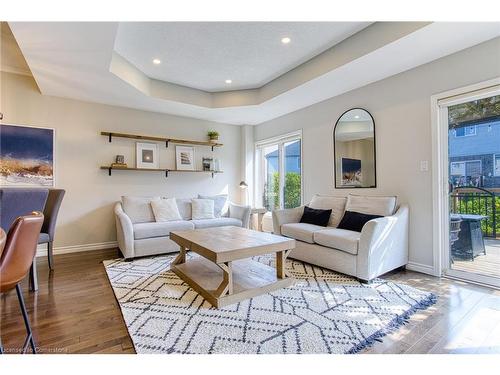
(323, 312)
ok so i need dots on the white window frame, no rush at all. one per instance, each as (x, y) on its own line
(440, 175)
(495, 156)
(259, 164)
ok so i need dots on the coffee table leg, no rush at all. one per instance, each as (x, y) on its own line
(181, 258)
(281, 272)
(226, 286)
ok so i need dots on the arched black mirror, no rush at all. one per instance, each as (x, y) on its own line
(354, 150)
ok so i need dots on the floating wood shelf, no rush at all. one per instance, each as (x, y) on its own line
(167, 140)
(109, 168)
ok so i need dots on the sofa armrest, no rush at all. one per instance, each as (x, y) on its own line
(286, 216)
(383, 245)
(124, 232)
(240, 212)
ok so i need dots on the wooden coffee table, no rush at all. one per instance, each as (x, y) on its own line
(224, 273)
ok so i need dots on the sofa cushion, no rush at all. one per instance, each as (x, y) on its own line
(203, 209)
(138, 209)
(160, 229)
(355, 221)
(340, 239)
(184, 206)
(300, 231)
(220, 203)
(165, 209)
(217, 222)
(325, 202)
(372, 205)
(316, 216)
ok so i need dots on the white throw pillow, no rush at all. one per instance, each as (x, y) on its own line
(326, 202)
(220, 203)
(184, 206)
(203, 209)
(372, 205)
(165, 209)
(138, 209)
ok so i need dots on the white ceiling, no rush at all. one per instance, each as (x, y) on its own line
(203, 55)
(78, 60)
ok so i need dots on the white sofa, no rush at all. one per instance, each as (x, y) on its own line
(138, 233)
(381, 246)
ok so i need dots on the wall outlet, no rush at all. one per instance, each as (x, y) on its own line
(424, 166)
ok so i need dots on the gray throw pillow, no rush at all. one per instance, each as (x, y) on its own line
(220, 203)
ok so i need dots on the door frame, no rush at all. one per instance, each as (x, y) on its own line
(440, 198)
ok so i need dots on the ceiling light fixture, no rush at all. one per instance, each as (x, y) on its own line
(357, 116)
(228, 81)
(285, 40)
(156, 61)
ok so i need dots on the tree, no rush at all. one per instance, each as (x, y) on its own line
(474, 110)
(292, 190)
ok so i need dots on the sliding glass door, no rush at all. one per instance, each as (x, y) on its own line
(279, 172)
(473, 177)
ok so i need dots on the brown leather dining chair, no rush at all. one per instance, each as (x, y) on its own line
(3, 237)
(15, 262)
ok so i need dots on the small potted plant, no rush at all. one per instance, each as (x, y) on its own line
(213, 136)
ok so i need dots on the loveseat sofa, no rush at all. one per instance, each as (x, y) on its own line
(381, 245)
(138, 233)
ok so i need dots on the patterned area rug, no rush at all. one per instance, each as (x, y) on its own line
(324, 312)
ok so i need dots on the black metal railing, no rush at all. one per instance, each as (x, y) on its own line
(478, 201)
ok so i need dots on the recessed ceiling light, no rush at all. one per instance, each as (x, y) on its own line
(156, 61)
(228, 81)
(285, 40)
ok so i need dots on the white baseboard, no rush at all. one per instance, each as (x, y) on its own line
(419, 267)
(42, 249)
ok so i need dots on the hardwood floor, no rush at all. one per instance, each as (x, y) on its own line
(465, 319)
(75, 311)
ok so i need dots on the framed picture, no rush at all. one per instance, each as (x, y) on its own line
(184, 158)
(351, 172)
(147, 155)
(27, 156)
(207, 164)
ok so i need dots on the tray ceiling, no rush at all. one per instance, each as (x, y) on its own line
(89, 61)
(203, 55)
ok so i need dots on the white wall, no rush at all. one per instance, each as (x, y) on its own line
(400, 106)
(86, 214)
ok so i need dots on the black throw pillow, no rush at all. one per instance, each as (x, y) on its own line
(355, 220)
(316, 216)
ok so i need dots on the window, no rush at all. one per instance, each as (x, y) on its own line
(496, 165)
(279, 172)
(466, 173)
(465, 131)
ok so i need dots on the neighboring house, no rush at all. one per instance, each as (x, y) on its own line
(292, 159)
(474, 153)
